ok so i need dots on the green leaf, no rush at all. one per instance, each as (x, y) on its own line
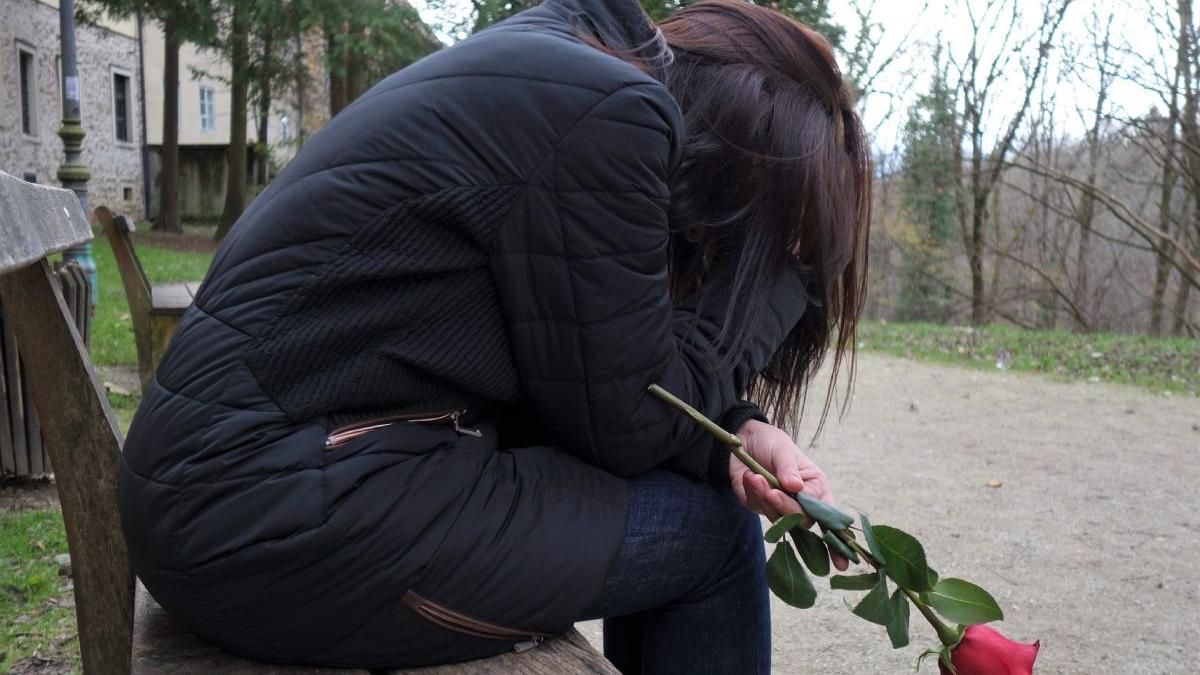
(933, 577)
(904, 558)
(829, 517)
(875, 606)
(838, 546)
(812, 550)
(788, 580)
(869, 535)
(775, 532)
(897, 628)
(853, 582)
(964, 602)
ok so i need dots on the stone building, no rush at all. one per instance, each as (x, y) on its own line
(31, 102)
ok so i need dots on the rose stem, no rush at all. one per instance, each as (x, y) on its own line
(945, 634)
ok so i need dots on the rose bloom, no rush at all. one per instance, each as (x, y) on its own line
(984, 651)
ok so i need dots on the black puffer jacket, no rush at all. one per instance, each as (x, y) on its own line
(485, 232)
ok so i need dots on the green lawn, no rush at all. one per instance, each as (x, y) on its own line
(112, 335)
(37, 613)
(1159, 364)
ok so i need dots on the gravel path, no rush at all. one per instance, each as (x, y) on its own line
(1091, 544)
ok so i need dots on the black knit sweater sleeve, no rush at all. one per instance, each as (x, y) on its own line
(581, 268)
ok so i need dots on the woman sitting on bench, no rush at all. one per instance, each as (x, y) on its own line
(406, 421)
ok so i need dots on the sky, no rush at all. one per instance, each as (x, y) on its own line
(913, 27)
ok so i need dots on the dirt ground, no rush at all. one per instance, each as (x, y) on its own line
(1091, 543)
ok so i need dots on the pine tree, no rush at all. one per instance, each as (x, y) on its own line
(927, 199)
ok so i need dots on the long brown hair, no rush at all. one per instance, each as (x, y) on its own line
(776, 170)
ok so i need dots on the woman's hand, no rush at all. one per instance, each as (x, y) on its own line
(778, 454)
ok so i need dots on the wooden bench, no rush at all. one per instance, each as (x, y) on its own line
(22, 452)
(84, 443)
(154, 310)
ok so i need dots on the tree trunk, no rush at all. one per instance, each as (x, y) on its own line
(979, 309)
(338, 77)
(168, 179)
(1182, 299)
(262, 154)
(1087, 210)
(359, 73)
(235, 158)
(1163, 259)
(1190, 128)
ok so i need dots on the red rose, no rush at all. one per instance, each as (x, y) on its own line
(984, 651)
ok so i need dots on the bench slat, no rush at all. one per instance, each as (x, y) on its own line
(15, 400)
(37, 220)
(170, 298)
(8, 458)
(569, 653)
(161, 645)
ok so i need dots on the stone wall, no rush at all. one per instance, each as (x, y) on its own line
(116, 167)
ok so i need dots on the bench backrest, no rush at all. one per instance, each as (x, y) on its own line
(22, 452)
(117, 228)
(79, 428)
(133, 277)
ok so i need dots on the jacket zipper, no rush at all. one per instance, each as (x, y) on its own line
(469, 625)
(343, 435)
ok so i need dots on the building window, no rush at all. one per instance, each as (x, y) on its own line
(127, 193)
(28, 84)
(208, 121)
(122, 107)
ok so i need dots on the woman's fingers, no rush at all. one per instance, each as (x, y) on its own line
(758, 491)
(762, 498)
(785, 464)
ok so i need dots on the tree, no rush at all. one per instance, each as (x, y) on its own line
(238, 46)
(1189, 70)
(181, 20)
(978, 73)
(814, 13)
(1105, 69)
(364, 40)
(927, 198)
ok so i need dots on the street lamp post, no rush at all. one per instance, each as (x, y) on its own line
(73, 173)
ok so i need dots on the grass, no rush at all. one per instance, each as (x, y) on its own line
(112, 335)
(1160, 364)
(37, 612)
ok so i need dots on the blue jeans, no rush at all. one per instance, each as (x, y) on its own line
(688, 591)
